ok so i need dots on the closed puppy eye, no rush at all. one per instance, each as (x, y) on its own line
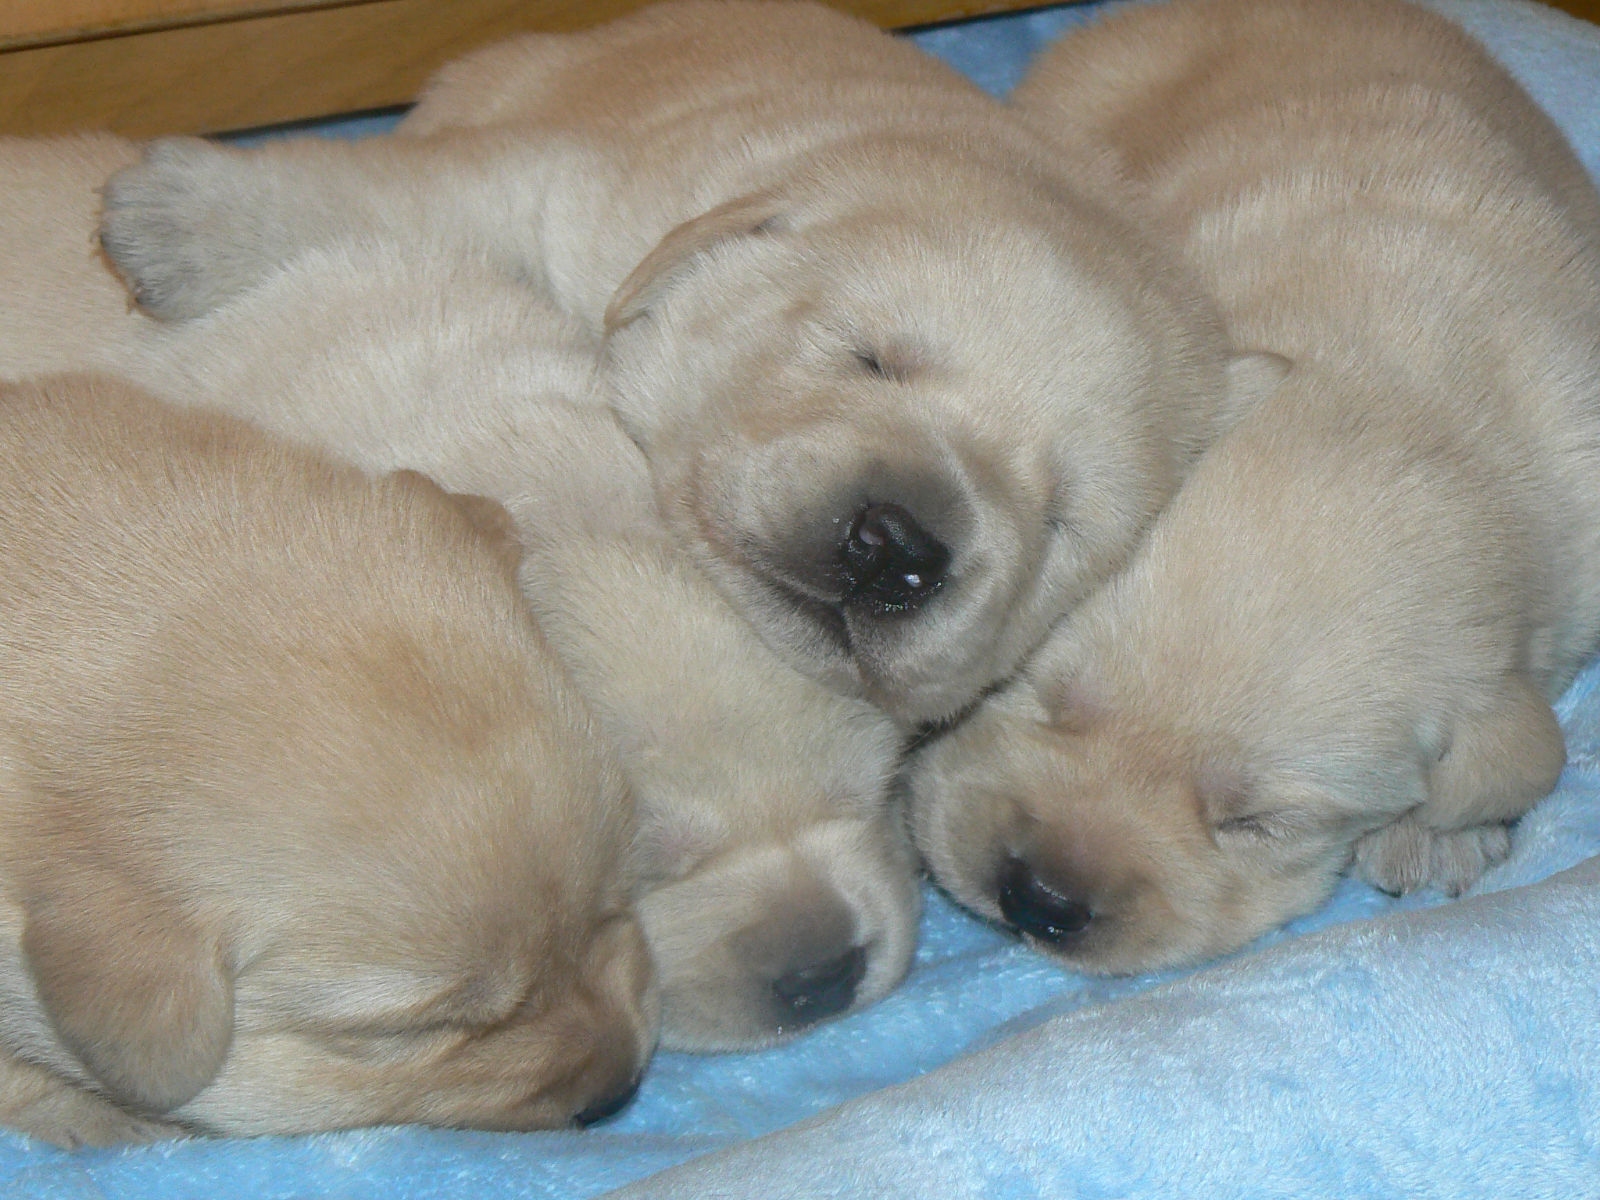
(394, 1045)
(895, 364)
(1257, 825)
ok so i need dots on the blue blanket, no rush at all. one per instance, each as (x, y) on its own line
(1378, 1048)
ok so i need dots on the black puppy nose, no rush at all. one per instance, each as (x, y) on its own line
(608, 1107)
(823, 989)
(891, 561)
(1033, 907)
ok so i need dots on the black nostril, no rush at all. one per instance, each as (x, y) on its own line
(819, 990)
(1033, 907)
(608, 1107)
(890, 560)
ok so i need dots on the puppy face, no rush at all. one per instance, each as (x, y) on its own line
(903, 448)
(761, 941)
(1188, 760)
(1117, 847)
(310, 830)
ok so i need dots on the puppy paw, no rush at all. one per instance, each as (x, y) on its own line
(45, 1106)
(177, 226)
(1406, 855)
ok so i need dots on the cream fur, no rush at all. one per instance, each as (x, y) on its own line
(832, 275)
(301, 827)
(1341, 639)
(767, 845)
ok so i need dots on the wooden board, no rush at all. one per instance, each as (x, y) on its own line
(145, 67)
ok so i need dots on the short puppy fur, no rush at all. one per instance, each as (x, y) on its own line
(301, 827)
(1340, 642)
(905, 389)
(776, 883)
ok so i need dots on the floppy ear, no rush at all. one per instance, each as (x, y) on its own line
(1073, 703)
(1251, 378)
(133, 987)
(737, 218)
(489, 517)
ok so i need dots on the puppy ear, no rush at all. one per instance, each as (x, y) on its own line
(133, 987)
(1250, 379)
(489, 517)
(1073, 703)
(737, 218)
(1223, 788)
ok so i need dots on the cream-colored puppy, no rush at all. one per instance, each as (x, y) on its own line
(904, 388)
(1342, 637)
(301, 827)
(777, 886)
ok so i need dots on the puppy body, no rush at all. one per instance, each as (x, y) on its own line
(776, 883)
(904, 389)
(1343, 635)
(301, 826)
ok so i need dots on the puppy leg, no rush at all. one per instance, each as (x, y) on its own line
(43, 1105)
(1499, 763)
(194, 223)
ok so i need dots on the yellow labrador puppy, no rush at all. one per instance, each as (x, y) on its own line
(903, 387)
(776, 885)
(1342, 637)
(300, 826)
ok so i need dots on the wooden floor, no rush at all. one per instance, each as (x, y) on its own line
(144, 67)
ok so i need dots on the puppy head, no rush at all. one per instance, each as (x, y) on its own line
(777, 886)
(1116, 843)
(759, 942)
(350, 853)
(905, 434)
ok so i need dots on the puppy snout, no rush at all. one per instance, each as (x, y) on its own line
(890, 561)
(1039, 909)
(819, 990)
(609, 1106)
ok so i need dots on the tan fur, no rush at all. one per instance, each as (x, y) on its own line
(301, 827)
(768, 859)
(832, 276)
(1343, 635)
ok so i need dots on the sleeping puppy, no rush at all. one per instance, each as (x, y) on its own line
(301, 827)
(1341, 639)
(903, 388)
(777, 886)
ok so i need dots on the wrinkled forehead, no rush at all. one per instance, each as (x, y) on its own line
(962, 281)
(1013, 750)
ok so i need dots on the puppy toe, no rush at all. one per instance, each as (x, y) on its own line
(1459, 858)
(170, 228)
(1394, 859)
(1406, 855)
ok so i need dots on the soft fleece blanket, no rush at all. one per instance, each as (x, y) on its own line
(1379, 1048)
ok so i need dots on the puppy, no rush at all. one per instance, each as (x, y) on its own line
(904, 389)
(1341, 639)
(300, 825)
(777, 886)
